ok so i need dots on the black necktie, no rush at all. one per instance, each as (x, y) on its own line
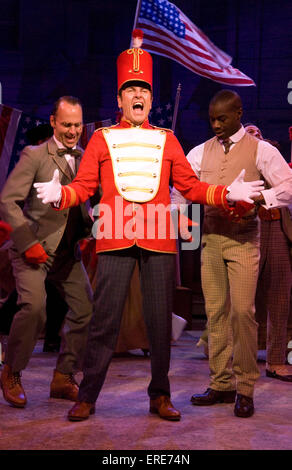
(227, 144)
(73, 152)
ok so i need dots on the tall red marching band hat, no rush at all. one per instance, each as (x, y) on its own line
(135, 64)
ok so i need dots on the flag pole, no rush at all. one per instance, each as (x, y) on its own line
(177, 98)
(177, 260)
(137, 13)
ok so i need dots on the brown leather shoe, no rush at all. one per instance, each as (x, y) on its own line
(81, 411)
(244, 406)
(163, 406)
(211, 397)
(12, 389)
(64, 386)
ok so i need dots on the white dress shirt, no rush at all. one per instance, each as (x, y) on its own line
(70, 159)
(270, 164)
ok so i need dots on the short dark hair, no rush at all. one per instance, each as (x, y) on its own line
(135, 83)
(227, 96)
(69, 99)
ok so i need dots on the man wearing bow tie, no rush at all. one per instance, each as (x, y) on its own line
(45, 247)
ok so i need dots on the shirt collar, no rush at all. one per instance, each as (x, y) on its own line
(237, 136)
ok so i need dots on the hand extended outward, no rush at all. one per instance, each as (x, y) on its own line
(241, 190)
(49, 192)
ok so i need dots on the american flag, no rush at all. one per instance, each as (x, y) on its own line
(14, 125)
(168, 32)
(162, 115)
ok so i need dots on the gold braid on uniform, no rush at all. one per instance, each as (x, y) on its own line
(69, 197)
(216, 196)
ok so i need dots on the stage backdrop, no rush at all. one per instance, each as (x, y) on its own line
(50, 48)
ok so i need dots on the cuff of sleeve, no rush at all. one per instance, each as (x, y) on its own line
(216, 196)
(270, 198)
(64, 198)
(68, 199)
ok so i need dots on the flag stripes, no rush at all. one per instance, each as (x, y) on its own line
(169, 33)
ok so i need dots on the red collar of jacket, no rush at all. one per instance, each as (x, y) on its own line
(127, 124)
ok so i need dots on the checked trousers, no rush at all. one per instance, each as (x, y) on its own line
(230, 266)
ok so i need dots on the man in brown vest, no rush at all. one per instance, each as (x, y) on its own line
(231, 251)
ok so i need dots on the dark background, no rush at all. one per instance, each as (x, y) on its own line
(49, 48)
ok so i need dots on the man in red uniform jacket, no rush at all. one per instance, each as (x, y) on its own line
(133, 162)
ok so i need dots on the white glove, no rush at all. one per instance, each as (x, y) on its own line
(240, 190)
(51, 191)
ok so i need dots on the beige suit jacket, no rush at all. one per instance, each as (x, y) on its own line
(31, 220)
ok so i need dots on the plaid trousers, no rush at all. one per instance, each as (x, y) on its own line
(114, 273)
(273, 291)
(230, 263)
